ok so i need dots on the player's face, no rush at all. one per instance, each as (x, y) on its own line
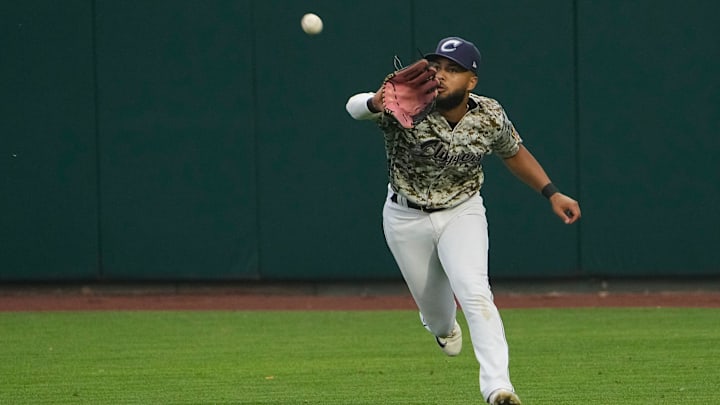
(453, 79)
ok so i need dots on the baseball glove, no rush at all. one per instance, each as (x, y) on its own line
(409, 93)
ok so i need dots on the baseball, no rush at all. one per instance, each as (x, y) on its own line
(311, 24)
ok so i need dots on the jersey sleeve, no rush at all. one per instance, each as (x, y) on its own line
(506, 143)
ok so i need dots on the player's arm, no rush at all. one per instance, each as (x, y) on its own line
(364, 106)
(525, 167)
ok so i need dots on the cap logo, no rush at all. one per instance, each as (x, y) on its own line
(450, 45)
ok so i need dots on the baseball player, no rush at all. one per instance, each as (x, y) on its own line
(434, 217)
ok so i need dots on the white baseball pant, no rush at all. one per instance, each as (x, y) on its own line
(443, 255)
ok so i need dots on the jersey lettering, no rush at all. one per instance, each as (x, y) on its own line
(436, 150)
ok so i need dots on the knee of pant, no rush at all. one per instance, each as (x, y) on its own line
(471, 287)
(481, 302)
(476, 293)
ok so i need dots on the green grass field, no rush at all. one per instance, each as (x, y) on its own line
(568, 356)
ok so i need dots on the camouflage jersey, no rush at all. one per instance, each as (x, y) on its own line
(437, 166)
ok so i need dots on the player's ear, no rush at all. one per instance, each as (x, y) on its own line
(472, 83)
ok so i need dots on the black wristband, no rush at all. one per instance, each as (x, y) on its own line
(549, 190)
(370, 106)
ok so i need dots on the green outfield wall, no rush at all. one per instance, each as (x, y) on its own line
(208, 140)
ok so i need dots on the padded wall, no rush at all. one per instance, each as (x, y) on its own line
(48, 159)
(174, 140)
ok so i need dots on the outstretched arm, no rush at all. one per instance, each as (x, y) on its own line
(363, 106)
(525, 167)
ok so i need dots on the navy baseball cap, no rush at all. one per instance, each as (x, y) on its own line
(458, 50)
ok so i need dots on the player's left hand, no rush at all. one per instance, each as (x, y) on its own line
(565, 207)
(409, 93)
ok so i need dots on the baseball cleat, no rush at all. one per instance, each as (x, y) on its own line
(504, 397)
(451, 344)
